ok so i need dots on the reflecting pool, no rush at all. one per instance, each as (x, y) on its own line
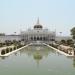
(37, 60)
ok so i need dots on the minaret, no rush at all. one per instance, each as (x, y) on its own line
(38, 22)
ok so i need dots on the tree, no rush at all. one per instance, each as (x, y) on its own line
(73, 32)
(69, 42)
(63, 42)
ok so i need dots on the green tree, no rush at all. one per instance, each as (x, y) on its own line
(73, 32)
(70, 42)
(63, 42)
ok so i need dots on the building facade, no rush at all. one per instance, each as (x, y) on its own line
(38, 33)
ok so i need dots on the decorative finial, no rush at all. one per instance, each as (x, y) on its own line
(38, 21)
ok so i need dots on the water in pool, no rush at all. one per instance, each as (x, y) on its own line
(37, 60)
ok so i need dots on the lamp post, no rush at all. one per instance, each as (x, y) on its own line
(60, 36)
(52, 40)
(60, 33)
(15, 33)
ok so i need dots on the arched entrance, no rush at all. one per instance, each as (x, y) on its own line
(38, 38)
(35, 38)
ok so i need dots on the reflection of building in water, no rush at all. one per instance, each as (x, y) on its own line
(37, 55)
(38, 34)
(31, 50)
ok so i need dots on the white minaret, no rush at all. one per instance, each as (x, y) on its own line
(38, 23)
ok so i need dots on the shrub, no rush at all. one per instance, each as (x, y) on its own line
(1, 44)
(10, 49)
(14, 48)
(2, 52)
(17, 47)
(7, 50)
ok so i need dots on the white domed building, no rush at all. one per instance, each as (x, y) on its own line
(38, 33)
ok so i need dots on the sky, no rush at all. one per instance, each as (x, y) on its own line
(18, 15)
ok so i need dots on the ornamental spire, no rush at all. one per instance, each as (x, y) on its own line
(38, 21)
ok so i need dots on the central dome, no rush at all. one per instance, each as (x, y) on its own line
(38, 26)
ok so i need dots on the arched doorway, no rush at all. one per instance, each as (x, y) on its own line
(38, 38)
(31, 38)
(35, 38)
(44, 38)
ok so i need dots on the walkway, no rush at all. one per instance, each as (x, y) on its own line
(60, 51)
(7, 54)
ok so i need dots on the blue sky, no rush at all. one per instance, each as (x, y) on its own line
(17, 15)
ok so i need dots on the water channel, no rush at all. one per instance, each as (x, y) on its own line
(37, 60)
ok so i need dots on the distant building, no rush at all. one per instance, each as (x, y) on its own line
(2, 34)
(9, 37)
(59, 38)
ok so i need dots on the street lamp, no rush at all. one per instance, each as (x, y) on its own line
(60, 33)
(15, 33)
